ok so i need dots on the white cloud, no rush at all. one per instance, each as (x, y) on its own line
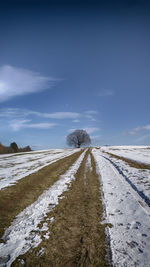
(93, 112)
(9, 112)
(147, 127)
(96, 140)
(142, 138)
(16, 82)
(61, 115)
(42, 125)
(95, 137)
(71, 130)
(76, 121)
(105, 92)
(138, 129)
(17, 125)
(22, 118)
(12, 112)
(90, 117)
(89, 130)
(89, 114)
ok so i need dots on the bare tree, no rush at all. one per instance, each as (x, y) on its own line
(78, 138)
(14, 147)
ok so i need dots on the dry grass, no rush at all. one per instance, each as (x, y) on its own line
(130, 162)
(76, 236)
(17, 197)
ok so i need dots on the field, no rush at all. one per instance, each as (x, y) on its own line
(76, 207)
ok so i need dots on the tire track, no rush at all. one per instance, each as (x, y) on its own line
(76, 236)
(16, 198)
(20, 236)
(128, 214)
(141, 198)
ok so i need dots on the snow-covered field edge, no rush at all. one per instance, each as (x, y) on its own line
(24, 231)
(26, 164)
(140, 154)
(130, 233)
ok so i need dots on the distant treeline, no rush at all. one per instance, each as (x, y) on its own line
(13, 148)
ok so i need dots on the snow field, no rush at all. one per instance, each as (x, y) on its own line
(128, 214)
(138, 178)
(140, 154)
(24, 232)
(16, 166)
(126, 200)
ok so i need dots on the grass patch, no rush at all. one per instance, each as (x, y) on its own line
(77, 238)
(130, 162)
(15, 198)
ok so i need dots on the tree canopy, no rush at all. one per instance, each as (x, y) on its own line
(78, 138)
(14, 147)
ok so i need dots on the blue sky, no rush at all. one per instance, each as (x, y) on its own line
(74, 65)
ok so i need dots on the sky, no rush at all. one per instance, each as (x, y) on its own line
(67, 65)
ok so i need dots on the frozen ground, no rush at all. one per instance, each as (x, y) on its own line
(126, 197)
(127, 211)
(24, 232)
(139, 179)
(16, 166)
(136, 153)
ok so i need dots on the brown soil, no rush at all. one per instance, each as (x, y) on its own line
(15, 198)
(131, 163)
(77, 238)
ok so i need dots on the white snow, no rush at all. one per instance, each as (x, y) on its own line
(88, 163)
(129, 215)
(40, 252)
(137, 153)
(16, 166)
(126, 192)
(139, 178)
(47, 235)
(24, 232)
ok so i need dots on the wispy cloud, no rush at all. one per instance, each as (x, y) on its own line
(97, 140)
(105, 92)
(16, 82)
(55, 115)
(9, 112)
(12, 112)
(61, 115)
(138, 129)
(17, 125)
(91, 112)
(76, 121)
(89, 130)
(142, 138)
(17, 118)
(95, 137)
(75, 116)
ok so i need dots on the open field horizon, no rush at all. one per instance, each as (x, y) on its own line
(81, 207)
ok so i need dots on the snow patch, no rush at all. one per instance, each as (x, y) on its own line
(89, 163)
(130, 234)
(17, 166)
(140, 154)
(24, 232)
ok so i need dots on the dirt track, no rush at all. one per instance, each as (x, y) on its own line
(17, 197)
(77, 238)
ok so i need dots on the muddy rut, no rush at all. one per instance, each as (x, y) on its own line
(77, 237)
(15, 198)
